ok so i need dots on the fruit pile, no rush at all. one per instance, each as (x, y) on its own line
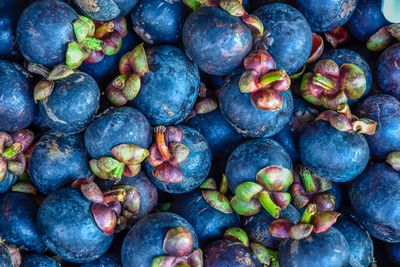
(191, 133)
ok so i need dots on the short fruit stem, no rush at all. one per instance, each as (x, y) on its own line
(272, 76)
(309, 212)
(269, 205)
(307, 179)
(326, 83)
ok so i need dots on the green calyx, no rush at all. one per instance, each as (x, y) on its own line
(83, 27)
(215, 198)
(237, 234)
(393, 159)
(384, 37)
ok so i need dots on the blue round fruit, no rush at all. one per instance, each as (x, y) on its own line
(105, 10)
(388, 71)
(38, 260)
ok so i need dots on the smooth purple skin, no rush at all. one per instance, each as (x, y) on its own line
(367, 19)
(375, 199)
(393, 253)
(144, 240)
(38, 260)
(329, 249)
(385, 110)
(388, 71)
(17, 107)
(105, 261)
(44, 29)
(215, 40)
(105, 10)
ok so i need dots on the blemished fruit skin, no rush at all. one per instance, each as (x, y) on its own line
(7, 182)
(333, 154)
(38, 260)
(385, 110)
(220, 135)
(375, 199)
(257, 225)
(346, 56)
(246, 118)
(250, 157)
(144, 241)
(67, 227)
(367, 19)
(58, 159)
(44, 30)
(5, 257)
(289, 36)
(169, 91)
(17, 107)
(328, 249)
(216, 41)
(326, 15)
(114, 127)
(104, 261)
(159, 21)
(393, 253)
(208, 223)
(83, 94)
(388, 71)
(105, 10)
(18, 221)
(229, 253)
(195, 168)
(359, 241)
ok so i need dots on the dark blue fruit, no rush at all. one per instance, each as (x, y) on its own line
(208, 222)
(288, 37)
(5, 257)
(326, 15)
(246, 118)
(159, 21)
(17, 107)
(170, 89)
(360, 243)
(329, 249)
(393, 253)
(104, 261)
(375, 199)
(105, 10)
(117, 126)
(216, 41)
(57, 160)
(257, 225)
(220, 135)
(250, 157)
(37, 260)
(67, 227)
(367, 19)
(195, 168)
(385, 110)
(388, 71)
(81, 93)
(303, 114)
(333, 154)
(44, 30)
(144, 240)
(18, 221)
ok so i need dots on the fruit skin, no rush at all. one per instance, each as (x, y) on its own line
(367, 19)
(105, 10)
(104, 261)
(208, 223)
(83, 95)
(374, 197)
(44, 30)
(329, 249)
(250, 157)
(57, 160)
(7, 182)
(385, 110)
(5, 257)
(289, 36)
(147, 190)
(393, 253)
(18, 221)
(144, 240)
(220, 135)
(67, 227)
(215, 40)
(359, 241)
(303, 114)
(195, 168)
(229, 253)
(170, 89)
(159, 21)
(117, 126)
(388, 71)
(257, 225)
(15, 98)
(37, 260)
(344, 56)
(246, 118)
(332, 154)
